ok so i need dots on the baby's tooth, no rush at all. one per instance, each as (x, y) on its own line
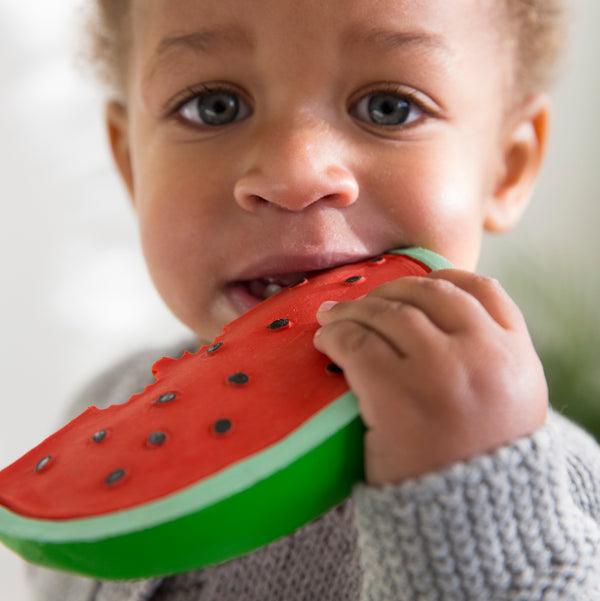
(272, 289)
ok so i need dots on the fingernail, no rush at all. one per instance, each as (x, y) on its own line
(326, 306)
(318, 332)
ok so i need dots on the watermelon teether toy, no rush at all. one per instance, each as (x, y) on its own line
(231, 448)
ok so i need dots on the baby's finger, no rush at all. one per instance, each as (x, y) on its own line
(447, 305)
(404, 327)
(373, 368)
(495, 300)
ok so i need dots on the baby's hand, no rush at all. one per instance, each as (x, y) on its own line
(443, 367)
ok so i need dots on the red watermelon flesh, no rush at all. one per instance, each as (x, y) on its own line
(260, 380)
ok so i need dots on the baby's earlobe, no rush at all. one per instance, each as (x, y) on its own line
(522, 156)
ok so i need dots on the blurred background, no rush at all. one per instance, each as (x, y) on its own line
(75, 296)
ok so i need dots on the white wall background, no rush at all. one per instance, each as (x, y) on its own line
(75, 295)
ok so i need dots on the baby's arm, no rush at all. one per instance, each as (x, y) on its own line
(520, 523)
(443, 367)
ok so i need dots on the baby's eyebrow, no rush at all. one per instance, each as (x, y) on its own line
(199, 41)
(205, 40)
(391, 39)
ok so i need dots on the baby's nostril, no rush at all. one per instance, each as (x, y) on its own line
(257, 200)
(250, 202)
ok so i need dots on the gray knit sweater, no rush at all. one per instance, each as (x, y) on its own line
(522, 523)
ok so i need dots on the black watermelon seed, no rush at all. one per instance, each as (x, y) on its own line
(299, 283)
(222, 426)
(332, 368)
(238, 378)
(214, 347)
(166, 398)
(43, 463)
(278, 324)
(99, 436)
(114, 477)
(353, 279)
(157, 438)
(377, 260)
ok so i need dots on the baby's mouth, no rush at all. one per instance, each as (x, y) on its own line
(274, 274)
(265, 287)
(245, 295)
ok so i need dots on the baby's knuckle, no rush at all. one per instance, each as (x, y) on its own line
(435, 285)
(406, 314)
(490, 284)
(351, 337)
(382, 308)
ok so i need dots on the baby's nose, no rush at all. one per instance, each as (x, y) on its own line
(294, 169)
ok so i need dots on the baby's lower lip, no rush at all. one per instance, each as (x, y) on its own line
(240, 297)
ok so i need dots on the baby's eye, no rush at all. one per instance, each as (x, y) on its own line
(387, 109)
(214, 108)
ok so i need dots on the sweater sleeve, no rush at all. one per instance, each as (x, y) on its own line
(521, 523)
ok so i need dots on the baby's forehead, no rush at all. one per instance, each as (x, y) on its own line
(294, 15)
(220, 24)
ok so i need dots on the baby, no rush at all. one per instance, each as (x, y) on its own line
(260, 140)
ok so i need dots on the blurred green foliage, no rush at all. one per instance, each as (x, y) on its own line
(560, 299)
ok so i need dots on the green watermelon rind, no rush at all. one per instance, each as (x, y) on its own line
(425, 256)
(243, 507)
(211, 521)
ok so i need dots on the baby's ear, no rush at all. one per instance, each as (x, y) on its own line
(118, 135)
(523, 148)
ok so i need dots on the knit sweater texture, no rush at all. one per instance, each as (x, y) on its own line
(519, 524)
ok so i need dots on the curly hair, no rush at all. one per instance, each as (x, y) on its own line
(534, 31)
(538, 29)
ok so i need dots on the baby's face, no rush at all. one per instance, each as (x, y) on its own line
(276, 137)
